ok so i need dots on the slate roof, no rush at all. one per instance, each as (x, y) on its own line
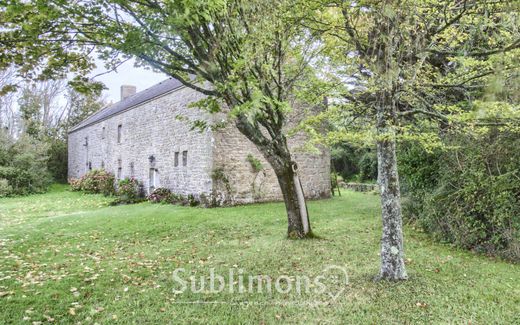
(143, 96)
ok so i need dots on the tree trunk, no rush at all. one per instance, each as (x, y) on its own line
(297, 215)
(276, 152)
(392, 262)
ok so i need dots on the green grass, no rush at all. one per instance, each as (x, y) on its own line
(70, 258)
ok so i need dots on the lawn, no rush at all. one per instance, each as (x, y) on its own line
(71, 258)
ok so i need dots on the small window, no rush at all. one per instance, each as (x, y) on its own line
(102, 165)
(86, 142)
(119, 169)
(103, 132)
(176, 159)
(90, 165)
(184, 158)
(132, 170)
(119, 129)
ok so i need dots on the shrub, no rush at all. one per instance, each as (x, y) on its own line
(208, 201)
(161, 195)
(23, 164)
(367, 167)
(468, 195)
(192, 201)
(164, 195)
(75, 184)
(5, 188)
(97, 181)
(57, 161)
(345, 159)
(128, 191)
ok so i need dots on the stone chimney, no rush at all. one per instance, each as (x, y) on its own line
(127, 91)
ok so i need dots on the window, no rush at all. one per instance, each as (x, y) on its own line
(103, 132)
(176, 159)
(151, 180)
(119, 169)
(102, 165)
(119, 129)
(132, 170)
(90, 165)
(184, 158)
(87, 162)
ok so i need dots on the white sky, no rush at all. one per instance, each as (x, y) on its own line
(126, 74)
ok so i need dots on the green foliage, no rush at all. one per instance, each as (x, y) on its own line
(333, 181)
(192, 200)
(94, 182)
(367, 167)
(22, 23)
(468, 195)
(403, 67)
(218, 175)
(81, 106)
(57, 161)
(420, 167)
(5, 144)
(354, 163)
(75, 184)
(128, 191)
(5, 188)
(161, 195)
(344, 160)
(164, 195)
(255, 163)
(23, 165)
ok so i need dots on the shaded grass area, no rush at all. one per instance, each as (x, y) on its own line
(69, 257)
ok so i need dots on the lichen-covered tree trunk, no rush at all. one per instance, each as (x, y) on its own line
(297, 216)
(276, 151)
(392, 250)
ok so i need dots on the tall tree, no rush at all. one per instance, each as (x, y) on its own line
(9, 118)
(78, 107)
(407, 64)
(40, 107)
(246, 56)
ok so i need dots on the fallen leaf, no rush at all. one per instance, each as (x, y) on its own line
(421, 304)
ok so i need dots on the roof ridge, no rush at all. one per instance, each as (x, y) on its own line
(132, 101)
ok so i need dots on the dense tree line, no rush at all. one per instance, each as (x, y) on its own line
(34, 124)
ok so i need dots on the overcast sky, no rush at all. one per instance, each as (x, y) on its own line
(126, 74)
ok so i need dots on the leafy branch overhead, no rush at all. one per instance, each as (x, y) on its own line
(453, 63)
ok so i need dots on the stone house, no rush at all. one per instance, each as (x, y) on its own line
(143, 137)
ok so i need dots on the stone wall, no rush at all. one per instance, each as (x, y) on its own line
(246, 185)
(152, 129)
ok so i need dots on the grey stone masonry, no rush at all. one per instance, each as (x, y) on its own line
(150, 142)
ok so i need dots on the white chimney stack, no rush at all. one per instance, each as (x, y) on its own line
(127, 91)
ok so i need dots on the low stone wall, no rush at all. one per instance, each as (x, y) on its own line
(359, 187)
